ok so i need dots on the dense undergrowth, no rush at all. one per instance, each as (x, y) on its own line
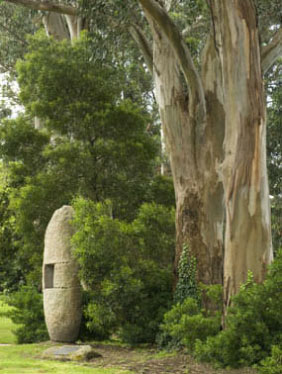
(253, 332)
(252, 337)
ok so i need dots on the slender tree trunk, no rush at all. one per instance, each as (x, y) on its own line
(248, 235)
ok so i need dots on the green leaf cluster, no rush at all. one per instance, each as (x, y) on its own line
(253, 324)
(186, 323)
(186, 284)
(27, 313)
(273, 363)
(126, 268)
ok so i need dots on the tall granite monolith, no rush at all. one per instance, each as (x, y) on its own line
(61, 286)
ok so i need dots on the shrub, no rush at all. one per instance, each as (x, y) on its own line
(253, 323)
(28, 313)
(186, 323)
(126, 267)
(272, 364)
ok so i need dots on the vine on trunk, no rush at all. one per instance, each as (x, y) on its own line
(187, 271)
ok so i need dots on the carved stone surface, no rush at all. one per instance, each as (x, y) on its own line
(61, 286)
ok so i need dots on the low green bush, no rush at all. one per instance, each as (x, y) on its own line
(27, 313)
(253, 324)
(186, 323)
(273, 363)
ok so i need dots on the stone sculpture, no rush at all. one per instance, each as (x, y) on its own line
(61, 286)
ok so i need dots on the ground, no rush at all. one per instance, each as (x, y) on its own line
(27, 359)
(146, 361)
(115, 359)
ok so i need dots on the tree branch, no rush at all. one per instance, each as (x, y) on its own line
(160, 16)
(143, 44)
(44, 5)
(271, 52)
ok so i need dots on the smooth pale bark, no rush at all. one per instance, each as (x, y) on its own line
(271, 52)
(55, 26)
(74, 25)
(248, 235)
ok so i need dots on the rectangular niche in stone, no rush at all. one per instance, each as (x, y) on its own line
(49, 275)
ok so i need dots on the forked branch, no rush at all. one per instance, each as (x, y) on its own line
(166, 25)
(271, 52)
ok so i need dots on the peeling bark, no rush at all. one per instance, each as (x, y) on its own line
(223, 153)
(248, 236)
(199, 194)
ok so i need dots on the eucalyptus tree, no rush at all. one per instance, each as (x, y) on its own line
(212, 108)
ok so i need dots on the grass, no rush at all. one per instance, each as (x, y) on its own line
(24, 359)
(6, 326)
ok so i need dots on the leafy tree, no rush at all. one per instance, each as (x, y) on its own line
(93, 142)
(85, 107)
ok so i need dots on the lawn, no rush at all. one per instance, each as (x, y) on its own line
(25, 359)
(6, 326)
(21, 359)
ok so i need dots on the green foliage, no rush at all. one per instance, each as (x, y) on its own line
(99, 146)
(273, 363)
(126, 268)
(274, 150)
(15, 23)
(27, 312)
(186, 284)
(6, 325)
(253, 323)
(161, 191)
(186, 323)
(102, 137)
(10, 269)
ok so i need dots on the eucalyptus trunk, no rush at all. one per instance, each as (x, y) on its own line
(214, 127)
(199, 193)
(248, 236)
